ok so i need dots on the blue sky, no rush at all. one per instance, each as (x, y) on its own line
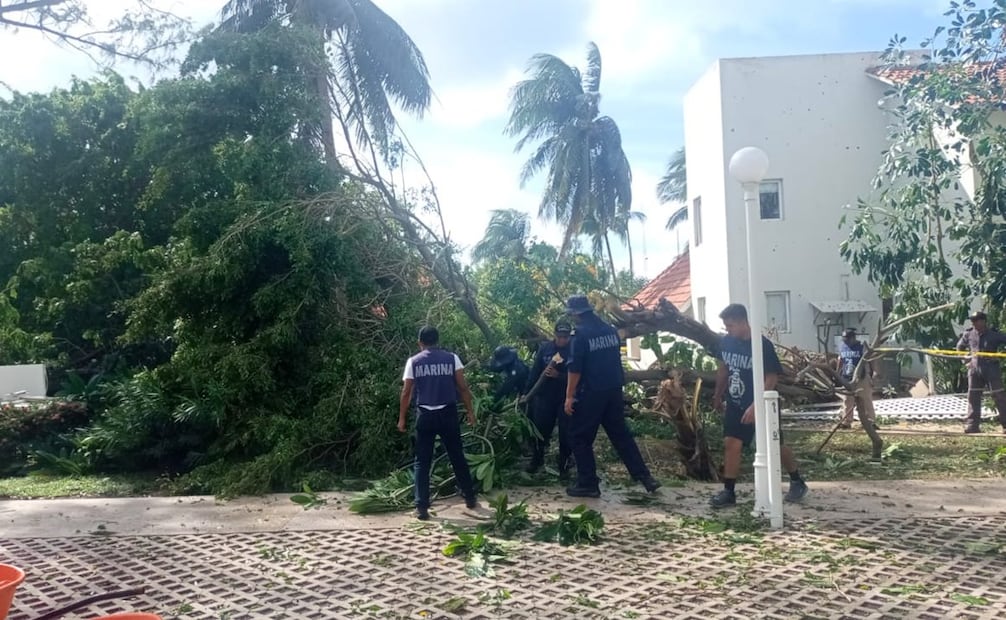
(652, 51)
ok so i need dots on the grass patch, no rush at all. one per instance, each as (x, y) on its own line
(953, 455)
(51, 487)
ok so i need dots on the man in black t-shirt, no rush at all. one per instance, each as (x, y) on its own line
(735, 381)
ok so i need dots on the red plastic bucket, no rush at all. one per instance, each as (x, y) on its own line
(10, 578)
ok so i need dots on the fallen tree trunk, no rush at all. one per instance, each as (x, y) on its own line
(638, 321)
(673, 404)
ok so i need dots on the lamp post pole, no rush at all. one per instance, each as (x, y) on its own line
(748, 166)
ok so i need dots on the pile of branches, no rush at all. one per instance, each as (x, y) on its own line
(808, 377)
(795, 385)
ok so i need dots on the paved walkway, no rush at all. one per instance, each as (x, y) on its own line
(854, 550)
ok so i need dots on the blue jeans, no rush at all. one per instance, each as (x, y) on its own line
(429, 424)
(591, 412)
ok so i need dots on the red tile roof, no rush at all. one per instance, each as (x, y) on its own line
(673, 284)
(995, 73)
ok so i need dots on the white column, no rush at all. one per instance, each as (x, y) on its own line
(774, 460)
(756, 318)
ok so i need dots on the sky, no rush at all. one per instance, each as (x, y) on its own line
(651, 50)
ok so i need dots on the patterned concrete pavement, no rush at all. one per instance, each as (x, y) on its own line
(852, 552)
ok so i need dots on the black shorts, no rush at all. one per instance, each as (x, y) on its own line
(733, 427)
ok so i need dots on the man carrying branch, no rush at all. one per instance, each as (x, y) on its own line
(546, 386)
(850, 354)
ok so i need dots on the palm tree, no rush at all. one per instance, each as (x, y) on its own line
(374, 62)
(507, 236)
(673, 187)
(601, 243)
(588, 173)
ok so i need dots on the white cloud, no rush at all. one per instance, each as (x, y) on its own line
(468, 106)
(639, 39)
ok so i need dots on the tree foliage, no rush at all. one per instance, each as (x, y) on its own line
(143, 33)
(189, 244)
(921, 237)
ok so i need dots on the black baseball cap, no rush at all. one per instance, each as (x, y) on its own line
(849, 332)
(979, 316)
(562, 328)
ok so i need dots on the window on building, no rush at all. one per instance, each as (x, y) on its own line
(697, 214)
(634, 349)
(777, 310)
(700, 309)
(770, 199)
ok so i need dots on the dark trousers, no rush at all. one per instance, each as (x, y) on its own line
(602, 409)
(445, 424)
(546, 410)
(978, 380)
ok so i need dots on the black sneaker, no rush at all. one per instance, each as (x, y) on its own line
(972, 429)
(650, 483)
(472, 502)
(797, 489)
(845, 425)
(723, 499)
(423, 514)
(534, 465)
(575, 491)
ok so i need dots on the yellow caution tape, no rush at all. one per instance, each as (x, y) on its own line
(942, 352)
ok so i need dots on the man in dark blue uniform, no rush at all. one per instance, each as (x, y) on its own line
(983, 371)
(546, 405)
(735, 379)
(513, 370)
(437, 377)
(594, 400)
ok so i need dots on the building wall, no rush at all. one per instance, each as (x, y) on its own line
(704, 148)
(817, 119)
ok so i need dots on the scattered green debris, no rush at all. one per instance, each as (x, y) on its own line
(583, 601)
(308, 499)
(508, 520)
(580, 525)
(454, 605)
(896, 452)
(907, 590)
(967, 599)
(479, 552)
(984, 547)
(635, 498)
(859, 543)
(391, 494)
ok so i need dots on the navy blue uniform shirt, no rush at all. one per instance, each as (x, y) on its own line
(433, 371)
(596, 353)
(850, 356)
(556, 386)
(736, 354)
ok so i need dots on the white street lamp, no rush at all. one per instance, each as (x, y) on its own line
(749, 166)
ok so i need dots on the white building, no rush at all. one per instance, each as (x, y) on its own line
(817, 118)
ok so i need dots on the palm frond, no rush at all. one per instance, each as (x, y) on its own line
(545, 102)
(680, 216)
(506, 236)
(250, 15)
(592, 77)
(543, 156)
(673, 186)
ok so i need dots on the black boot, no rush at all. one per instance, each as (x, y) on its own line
(563, 465)
(537, 460)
